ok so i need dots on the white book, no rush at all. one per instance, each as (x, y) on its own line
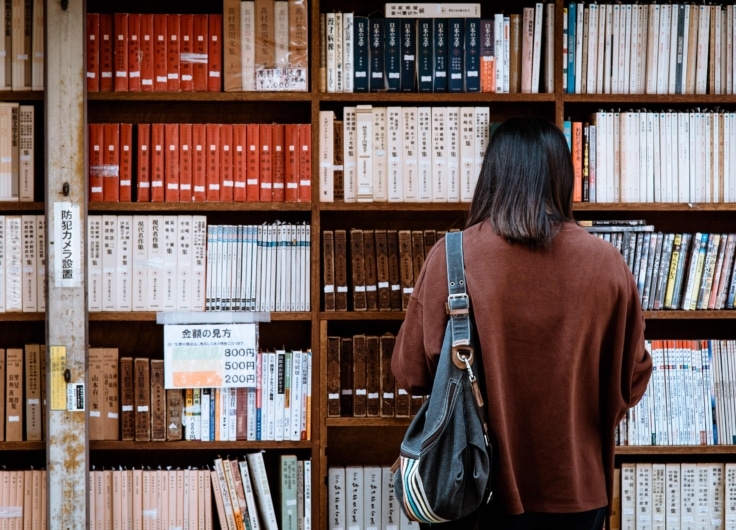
(652, 48)
(40, 261)
(354, 497)
(579, 37)
(372, 497)
(482, 135)
(626, 57)
(688, 494)
(378, 155)
(644, 495)
(6, 153)
(270, 381)
(2, 262)
(21, 54)
(647, 156)
(453, 154)
(5, 52)
(94, 263)
(326, 160)
(390, 505)
(262, 490)
(170, 254)
(591, 67)
(211, 254)
(717, 52)
(199, 263)
(279, 396)
(28, 268)
(602, 67)
(628, 495)
(364, 153)
(139, 263)
(701, 56)
(349, 169)
(537, 46)
(247, 44)
(155, 262)
(424, 154)
(616, 42)
(432, 9)
(330, 59)
(26, 153)
(395, 154)
(109, 262)
(686, 11)
(296, 397)
(682, 169)
(248, 266)
(439, 155)
(306, 394)
(250, 500)
(280, 267)
(729, 485)
(638, 49)
(281, 33)
(337, 498)
(348, 51)
(659, 507)
(716, 495)
(673, 48)
(506, 53)
(673, 485)
(410, 170)
(498, 50)
(467, 153)
(124, 267)
(729, 37)
(206, 396)
(702, 489)
(307, 494)
(231, 406)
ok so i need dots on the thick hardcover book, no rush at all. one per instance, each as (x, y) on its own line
(125, 174)
(127, 399)
(487, 56)
(388, 381)
(341, 270)
(357, 258)
(232, 67)
(142, 389)
(346, 376)
(173, 63)
(417, 252)
(186, 49)
(305, 162)
(111, 162)
(157, 162)
(265, 162)
(328, 257)
(406, 267)
(408, 55)
(172, 168)
(227, 183)
(361, 56)
(143, 165)
(264, 500)
(360, 359)
(93, 52)
(111, 394)
(371, 280)
(159, 49)
(394, 269)
(278, 147)
(158, 401)
(14, 406)
(214, 53)
(120, 51)
(185, 162)
(33, 413)
(199, 162)
(393, 49)
(376, 45)
(3, 381)
(96, 168)
(456, 53)
(373, 375)
(106, 52)
(382, 273)
(146, 52)
(212, 162)
(333, 376)
(96, 394)
(425, 59)
(291, 162)
(239, 148)
(472, 55)
(440, 55)
(200, 43)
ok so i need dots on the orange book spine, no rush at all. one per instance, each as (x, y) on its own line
(226, 163)
(143, 168)
(213, 162)
(134, 52)
(200, 43)
(146, 38)
(185, 162)
(157, 162)
(126, 162)
(278, 162)
(577, 160)
(266, 163)
(111, 163)
(120, 52)
(106, 52)
(93, 52)
(96, 142)
(305, 162)
(172, 52)
(252, 159)
(160, 48)
(291, 162)
(199, 162)
(239, 149)
(214, 54)
(186, 33)
(171, 159)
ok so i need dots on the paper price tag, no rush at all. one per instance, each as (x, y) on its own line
(210, 355)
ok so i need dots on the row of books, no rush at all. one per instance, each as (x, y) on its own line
(16, 152)
(22, 393)
(640, 156)
(689, 271)
(408, 51)
(266, 45)
(133, 52)
(363, 497)
(359, 379)
(23, 502)
(196, 162)
(648, 49)
(674, 495)
(22, 47)
(402, 154)
(258, 267)
(22, 263)
(375, 270)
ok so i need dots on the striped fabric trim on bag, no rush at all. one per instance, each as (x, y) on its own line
(415, 500)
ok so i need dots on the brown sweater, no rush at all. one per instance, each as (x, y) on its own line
(562, 337)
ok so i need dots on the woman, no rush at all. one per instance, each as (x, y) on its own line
(559, 325)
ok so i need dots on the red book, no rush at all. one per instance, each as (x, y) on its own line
(143, 168)
(200, 43)
(93, 52)
(111, 163)
(213, 162)
(106, 52)
(265, 162)
(291, 165)
(577, 160)
(172, 52)
(134, 52)
(126, 161)
(185, 162)
(160, 47)
(186, 48)
(214, 54)
(199, 162)
(146, 37)
(239, 149)
(278, 160)
(252, 162)
(305, 162)
(226, 163)
(96, 142)
(120, 51)
(171, 162)
(158, 137)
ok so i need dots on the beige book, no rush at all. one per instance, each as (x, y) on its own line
(205, 498)
(265, 49)
(107, 503)
(20, 54)
(126, 498)
(37, 45)
(97, 476)
(95, 393)
(4, 490)
(110, 404)
(27, 499)
(117, 499)
(232, 490)
(192, 504)
(217, 494)
(232, 69)
(38, 502)
(2, 393)
(179, 513)
(137, 498)
(14, 395)
(33, 392)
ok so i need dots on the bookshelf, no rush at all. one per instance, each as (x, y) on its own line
(345, 440)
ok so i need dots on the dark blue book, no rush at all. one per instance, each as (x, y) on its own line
(440, 55)
(392, 58)
(408, 55)
(456, 67)
(361, 54)
(376, 45)
(472, 55)
(425, 61)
